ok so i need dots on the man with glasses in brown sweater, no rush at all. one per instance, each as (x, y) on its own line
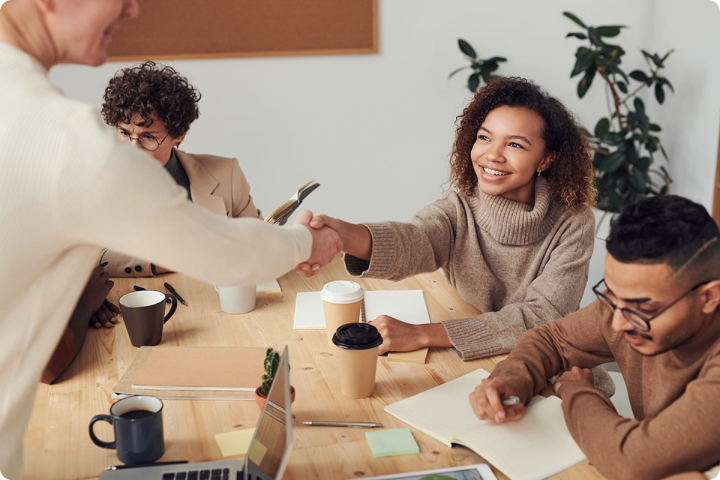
(657, 316)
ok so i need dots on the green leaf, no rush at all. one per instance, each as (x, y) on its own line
(622, 87)
(654, 127)
(602, 127)
(637, 181)
(489, 67)
(642, 163)
(579, 35)
(612, 162)
(665, 81)
(666, 56)
(485, 76)
(659, 93)
(595, 38)
(665, 172)
(586, 81)
(575, 19)
(610, 30)
(664, 155)
(615, 69)
(457, 70)
(584, 61)
(474, 82)
(658, 61)
(651, 145)
(495, 60)
(639, 105)
(638, 75)
(466, 48)
(613, 138)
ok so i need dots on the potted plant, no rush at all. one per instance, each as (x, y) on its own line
(626, 141)
(271, 362)
(482, 69)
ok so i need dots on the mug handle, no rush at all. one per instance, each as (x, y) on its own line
(172, 308)
(96, 440)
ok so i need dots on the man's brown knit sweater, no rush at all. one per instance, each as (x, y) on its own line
(522, 265)
(674, 395)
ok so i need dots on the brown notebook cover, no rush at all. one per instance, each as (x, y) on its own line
(221, 373)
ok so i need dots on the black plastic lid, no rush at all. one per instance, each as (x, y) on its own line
(357, 336)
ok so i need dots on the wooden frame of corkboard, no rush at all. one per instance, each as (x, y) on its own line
(178, 29)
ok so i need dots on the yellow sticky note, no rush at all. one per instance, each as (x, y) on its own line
(234, 443)
(272, 286)
(257, 453)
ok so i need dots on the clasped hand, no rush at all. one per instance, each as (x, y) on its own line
(326, 242)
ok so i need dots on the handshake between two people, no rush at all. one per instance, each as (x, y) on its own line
(330, 237)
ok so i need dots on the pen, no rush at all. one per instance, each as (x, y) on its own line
(511, 400)
(316, 423)
(104, 264)
(138, 465)
(175, 294)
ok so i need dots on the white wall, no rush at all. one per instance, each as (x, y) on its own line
(375, 130)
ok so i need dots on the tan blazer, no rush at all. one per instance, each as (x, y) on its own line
(217, 184)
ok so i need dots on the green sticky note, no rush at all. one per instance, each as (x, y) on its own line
(388, 443)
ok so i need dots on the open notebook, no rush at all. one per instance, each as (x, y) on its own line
(533, 448)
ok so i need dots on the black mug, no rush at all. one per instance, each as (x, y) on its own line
(137, 423)
(143, 316)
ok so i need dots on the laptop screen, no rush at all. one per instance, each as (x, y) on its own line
(270, 447)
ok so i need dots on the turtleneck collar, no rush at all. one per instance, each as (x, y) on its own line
(515, 223)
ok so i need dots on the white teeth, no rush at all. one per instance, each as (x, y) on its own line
(494, 172)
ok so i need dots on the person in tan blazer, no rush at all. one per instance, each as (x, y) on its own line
(152, 106)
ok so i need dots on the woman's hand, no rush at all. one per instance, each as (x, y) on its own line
(399, 336)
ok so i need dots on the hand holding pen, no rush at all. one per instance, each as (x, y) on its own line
(495, 400)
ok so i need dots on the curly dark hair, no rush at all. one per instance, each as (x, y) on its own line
(570, 176)
(151, 90)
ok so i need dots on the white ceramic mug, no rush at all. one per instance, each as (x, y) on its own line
(236, 298)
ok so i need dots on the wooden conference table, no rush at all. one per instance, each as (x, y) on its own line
(57, 444)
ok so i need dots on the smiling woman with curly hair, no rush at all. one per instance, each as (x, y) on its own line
(514, 236)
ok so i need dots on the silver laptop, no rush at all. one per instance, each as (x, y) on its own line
(267, 455)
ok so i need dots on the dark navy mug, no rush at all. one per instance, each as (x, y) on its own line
(137, 423)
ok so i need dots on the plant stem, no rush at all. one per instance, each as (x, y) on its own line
(616, 98)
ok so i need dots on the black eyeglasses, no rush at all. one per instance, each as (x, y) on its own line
(638, 320)
(146, 140)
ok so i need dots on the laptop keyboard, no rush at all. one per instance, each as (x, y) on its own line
(214, 474)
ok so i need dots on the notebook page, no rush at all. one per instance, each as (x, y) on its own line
(441, 412)
(533, 448)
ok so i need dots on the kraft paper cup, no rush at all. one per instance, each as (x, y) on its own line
(356, 350)
(342, 301)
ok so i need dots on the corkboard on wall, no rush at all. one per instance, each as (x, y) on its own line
(173, 29)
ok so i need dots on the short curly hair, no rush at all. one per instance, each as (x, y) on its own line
(151, 90)
(570, 176)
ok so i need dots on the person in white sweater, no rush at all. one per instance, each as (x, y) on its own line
(66, 177)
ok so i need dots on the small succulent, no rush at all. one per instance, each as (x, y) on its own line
(272, 360)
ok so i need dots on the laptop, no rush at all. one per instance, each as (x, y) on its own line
(267, 455)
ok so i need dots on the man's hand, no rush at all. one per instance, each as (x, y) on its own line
(486, 401)
(105, 315)
(326, 244)
(93, 300)
(576, 374)
(399, 336)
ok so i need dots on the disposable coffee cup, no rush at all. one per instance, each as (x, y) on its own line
(138, 429)
(144, 316)
(356, 350)
(237, 299)
(342, 300)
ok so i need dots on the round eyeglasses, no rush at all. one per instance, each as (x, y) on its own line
(146, 140)
(637, 320)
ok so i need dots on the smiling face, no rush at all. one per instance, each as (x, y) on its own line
(82, 29)
(149, 135)
(508, 153)
(647, 289)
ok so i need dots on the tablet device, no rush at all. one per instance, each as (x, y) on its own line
(479, 471)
